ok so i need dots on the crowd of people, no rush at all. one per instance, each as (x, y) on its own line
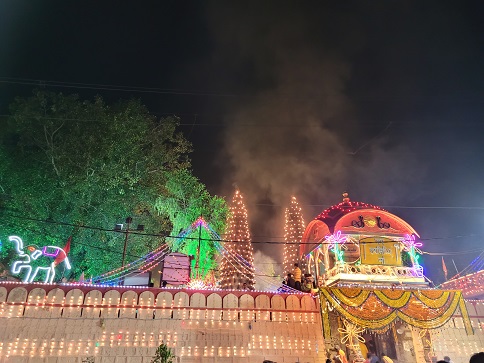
(299, 281)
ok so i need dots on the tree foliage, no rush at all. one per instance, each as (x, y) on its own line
(163, 354)
(69, 164)
(184, 201)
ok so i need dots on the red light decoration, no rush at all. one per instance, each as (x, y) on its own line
(331, 215)
(472, 285)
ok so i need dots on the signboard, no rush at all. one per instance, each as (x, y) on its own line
(176, 269)
(380, 251)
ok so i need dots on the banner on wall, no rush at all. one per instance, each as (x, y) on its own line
(380, 251)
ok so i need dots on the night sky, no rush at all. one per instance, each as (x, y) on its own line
(383, 99)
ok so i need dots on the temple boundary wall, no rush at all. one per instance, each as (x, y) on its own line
(452, 340)
(83, 323)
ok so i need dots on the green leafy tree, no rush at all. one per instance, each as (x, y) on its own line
(184, 201)
(163, 354)
(68, 164)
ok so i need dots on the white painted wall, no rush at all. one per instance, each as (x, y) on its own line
(67, 324)
(452, 339)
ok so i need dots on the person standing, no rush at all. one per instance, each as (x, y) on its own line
(297, 274)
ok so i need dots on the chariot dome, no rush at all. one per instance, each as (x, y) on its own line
(356, 241)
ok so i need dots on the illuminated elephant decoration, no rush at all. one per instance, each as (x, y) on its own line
(47, 253)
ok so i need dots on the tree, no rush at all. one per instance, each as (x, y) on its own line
(185, 200)
(293, 232)
(237, 266)
(163, 354)
(69, 165)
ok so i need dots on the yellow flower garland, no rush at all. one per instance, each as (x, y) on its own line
(426, 309)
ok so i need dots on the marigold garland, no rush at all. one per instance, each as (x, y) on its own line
(434, 298)
(394, 301)
(426, 309)
(352, 299)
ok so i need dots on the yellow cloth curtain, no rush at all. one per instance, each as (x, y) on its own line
(375, 309)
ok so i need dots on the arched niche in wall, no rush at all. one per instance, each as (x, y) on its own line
(92, 300)
(308, 303)
(293, 303)
(230, 304)
(278, 306)
(55, 297)
(263, 302)
(146, 302)
(197, 300)
(3, 294)
(163, 301)
(16, 295)
(214, 301)
(111, 299)
(181, 302)
(246, 302)
(74, 298)
(35, 301)
(129, 300)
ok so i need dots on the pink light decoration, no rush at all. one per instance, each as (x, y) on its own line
(199, 222)
(46, 251)
(335, 238)
(346, 207)
(410, 243)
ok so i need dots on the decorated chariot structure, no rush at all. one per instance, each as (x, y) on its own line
(360, 242)
(373, 293)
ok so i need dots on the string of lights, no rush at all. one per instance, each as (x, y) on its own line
(324, 206)
(146, 262)
(142, 264)
(234, 259)
(107, 87)
(240, 244)
(224, 240)
(165, 235)
(293, 231)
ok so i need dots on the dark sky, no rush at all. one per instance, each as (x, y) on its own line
(383, 99)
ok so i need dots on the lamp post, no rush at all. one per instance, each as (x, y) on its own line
(119, 228)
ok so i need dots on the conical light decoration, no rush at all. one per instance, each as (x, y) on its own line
(237, 266)
(293, 232)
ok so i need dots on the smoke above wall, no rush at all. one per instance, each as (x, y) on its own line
(295, 130)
